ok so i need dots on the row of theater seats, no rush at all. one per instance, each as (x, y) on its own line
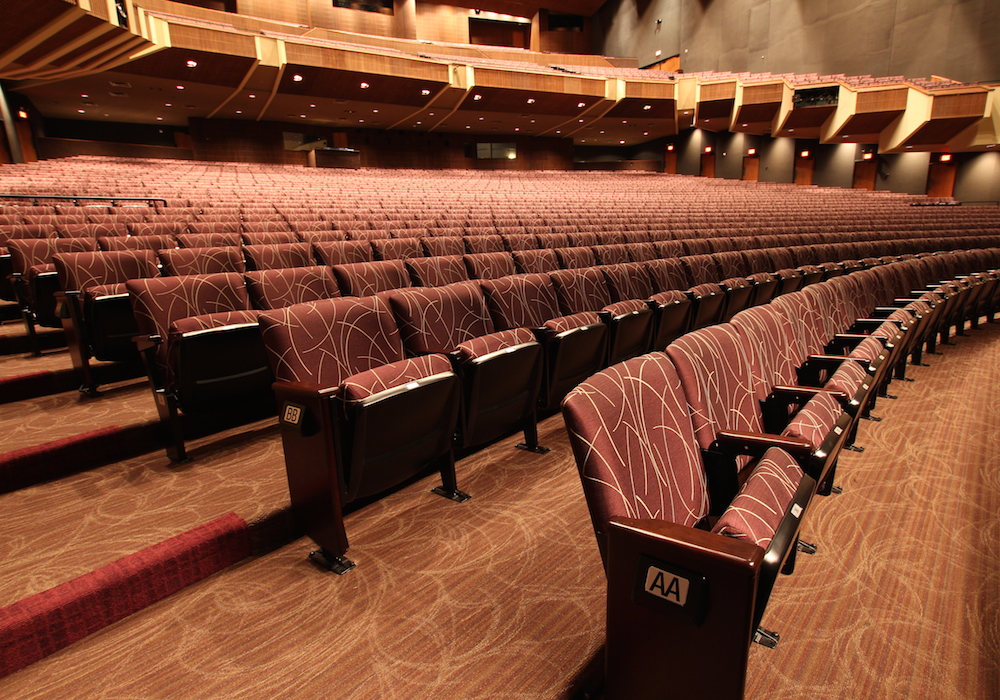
(699, 461)
(687, 291)
(35, 281)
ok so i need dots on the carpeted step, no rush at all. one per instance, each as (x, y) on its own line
(39, 625)
(54, 381)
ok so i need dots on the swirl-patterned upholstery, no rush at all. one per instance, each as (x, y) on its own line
(576, 257)
(489, 266)
(441, 318)
(668, 273)
(201, 346)
(520, 241)
(343, 252)
(398, 248)
(443, 245)
(275, 289)
(437, 271)
(274, 256)
(365, 279)
(701, 269)
(84, 271)
(642, 251)
(536, 261)
(154, 242)
(209, 240)
(201, 261)
(487, 243)
(611, 254)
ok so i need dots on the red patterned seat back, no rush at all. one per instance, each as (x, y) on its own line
(581, 290)
(278, 255)
(635, 447)
(365, 279)
(488, 266)
(325, 342)
(521, 300)
(437, 271)
(719, 386)
(278, 288)
(201, 261)
(80, 271)
(441, 318)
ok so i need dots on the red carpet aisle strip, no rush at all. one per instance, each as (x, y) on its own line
(35, 627)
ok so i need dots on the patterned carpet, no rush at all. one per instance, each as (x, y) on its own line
(503, 596)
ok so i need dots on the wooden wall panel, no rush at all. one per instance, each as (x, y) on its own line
(442, 23)
(881, 101)
(64, 148)
(865, 172)
(262, 142)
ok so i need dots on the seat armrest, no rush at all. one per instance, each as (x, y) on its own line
(291, 390)
(756, 444)
(144, 343)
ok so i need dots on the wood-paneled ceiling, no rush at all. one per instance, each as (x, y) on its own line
(166, 69)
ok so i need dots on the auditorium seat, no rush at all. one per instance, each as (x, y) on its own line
(357, 417)
(501, 371)
(534, 261)
(343, 252)
(150, 242)
(629, 321)
(271, 256)
(280, 287)
(397, 248)
(97, 315)
(576, 257)
(671, 309)
(487, 266)
(575, 345)
(201, 261)
(720, 387)
(488, 243)
(367, 278)
(35, 280)
(650, 501)
(202, 350)
(437, 271)
(209, 240)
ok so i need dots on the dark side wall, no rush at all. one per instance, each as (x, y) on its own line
(916, 38)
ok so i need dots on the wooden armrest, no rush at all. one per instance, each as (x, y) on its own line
(303, 390)
(756, 444)
(794, 392)
(147, 342)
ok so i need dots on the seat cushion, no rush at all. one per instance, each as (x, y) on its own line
(848, 377)
(501, 340)
(568, 323)
(815, 420)
(757, 511)
(366, 384)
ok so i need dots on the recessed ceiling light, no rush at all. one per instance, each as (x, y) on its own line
(647, 107)
(467, 126)
(361, 121)
(297, 78)
(159, 119)
(580, 120)
(313, 106)
(365, 86)
(179, 87)
(517, 128)
(531, 100)
(252, 96)
(239, 111)
(645, 133)
(622, 141)
(191, 64)
(302, 116)
(602, 131)
(482, 118)
(581, 104)
(84, 96)
(624, 121)
(81, 111)
(419, 123)
(558, 132)
(425, 92)
(477, 97)
(168, 104)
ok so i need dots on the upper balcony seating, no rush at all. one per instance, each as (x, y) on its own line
(357, 417)
(202, 349)
(96, 313)
(704, 582)
(501, 371)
